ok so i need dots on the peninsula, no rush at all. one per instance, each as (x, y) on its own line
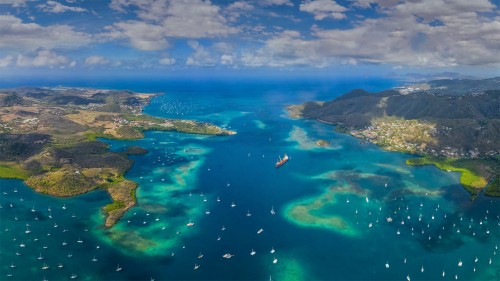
(452, 124)
(49, 139)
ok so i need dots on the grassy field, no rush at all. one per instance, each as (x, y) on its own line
(473, 174)
(9, 170)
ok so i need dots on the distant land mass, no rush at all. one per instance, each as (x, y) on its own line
(453, 123)
(49, 139)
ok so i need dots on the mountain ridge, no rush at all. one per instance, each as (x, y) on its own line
(457, 119)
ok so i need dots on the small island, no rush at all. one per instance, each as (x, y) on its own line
(452, 124)
(49, 139)
(323, 143)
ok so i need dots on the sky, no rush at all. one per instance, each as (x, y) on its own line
(267, 37)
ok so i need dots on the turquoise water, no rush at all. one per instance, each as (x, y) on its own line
(189, 178)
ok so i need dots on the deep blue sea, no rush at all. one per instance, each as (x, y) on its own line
(350, 211)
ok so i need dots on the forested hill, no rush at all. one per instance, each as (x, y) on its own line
(458, 118)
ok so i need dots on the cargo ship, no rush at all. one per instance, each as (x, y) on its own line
(281, 161)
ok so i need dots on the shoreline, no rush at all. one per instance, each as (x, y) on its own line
(470, 179)
(78, 162)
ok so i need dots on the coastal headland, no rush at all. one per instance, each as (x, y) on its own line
(49, 138)
(452, 124)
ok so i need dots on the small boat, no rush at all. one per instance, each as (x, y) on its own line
(45, 266)
(272, 211)
(70, 255)
(200, 256)
(118, 268)
(79, 240)
(94, 259)
(252, 253)
(275, 260)
(260, 231)
(64, 243)
(190, 223)
(227, 256)
(73, 276)
(196, 266)
(12, 265)
(248, 213)
(40, 257)
(459, 263)
(233, 205)
(281, 161)
(272, 251)
(60, 265)
(387, 265)
(64, 207)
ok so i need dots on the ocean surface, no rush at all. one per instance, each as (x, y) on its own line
(351, 211)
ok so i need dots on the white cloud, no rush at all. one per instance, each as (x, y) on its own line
(95, 60)
(56, 7)
(142, 36)
(227, 60)
(6, 61)
(17, 35)
(43, 58)
(275, 2)
(240, 6)
(200, 56)
(15, 3)
(167, 61)
(322, 9)
(158, 20)
(407, 35)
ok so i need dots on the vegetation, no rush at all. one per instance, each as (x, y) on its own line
(465, 121)
(116, 205)
(11, 170)
(453, 123)
(473, 176)
(135, 150)
(494, 188)
(55, 148)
